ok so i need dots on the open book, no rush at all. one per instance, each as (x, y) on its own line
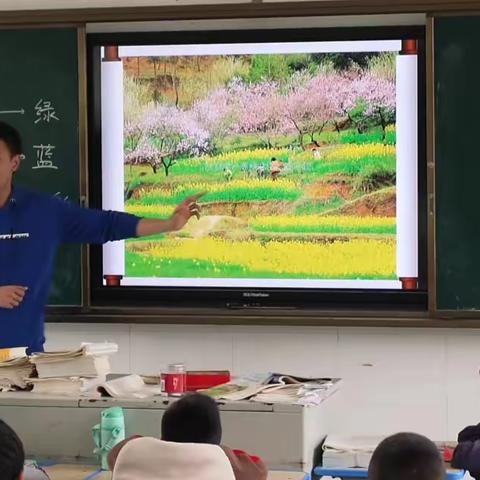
(130, 386)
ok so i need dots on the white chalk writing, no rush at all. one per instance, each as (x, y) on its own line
(44, 157)
(45, 112)
(60, 195)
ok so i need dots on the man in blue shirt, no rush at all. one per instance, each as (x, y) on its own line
(32, 226)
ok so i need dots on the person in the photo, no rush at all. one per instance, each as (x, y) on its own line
(276, 167)
(195, 418)
(227, 174)
(261, 172)
(12, 458)
(33, 225)
(12, 455)
(406, 456)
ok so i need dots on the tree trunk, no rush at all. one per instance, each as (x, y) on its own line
(174, 81)
(300, 138)
(320, 131)
(175, 87)
(155, 83)
(383, 123)
(167, 164)
(166, 167)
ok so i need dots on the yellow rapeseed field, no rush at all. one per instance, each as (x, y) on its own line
(359, 152)
(357, 258)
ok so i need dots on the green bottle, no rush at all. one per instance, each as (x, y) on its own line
(108, 433)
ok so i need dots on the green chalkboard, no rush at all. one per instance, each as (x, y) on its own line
(39, 95)
(457, 162)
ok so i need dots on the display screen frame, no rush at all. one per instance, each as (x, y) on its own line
(238, 298)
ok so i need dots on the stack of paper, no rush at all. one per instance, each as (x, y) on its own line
(73, 371)
(14, 372)
(349, 452)
(71, 386)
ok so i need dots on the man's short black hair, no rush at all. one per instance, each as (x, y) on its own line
(12, 138)
(406, 456)
(12, 455)
(195, 418)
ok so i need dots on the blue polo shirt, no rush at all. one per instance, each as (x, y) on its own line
(32, 226)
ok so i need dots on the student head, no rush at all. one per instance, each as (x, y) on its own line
(273, 159)
(406, 456)
(12, 456)
(10, 154)
(194, 418)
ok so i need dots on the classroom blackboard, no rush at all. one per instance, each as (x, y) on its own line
(457, 162)
(39, 95)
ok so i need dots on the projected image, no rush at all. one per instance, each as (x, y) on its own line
(295, 146)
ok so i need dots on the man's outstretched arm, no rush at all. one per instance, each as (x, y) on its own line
(83, 225)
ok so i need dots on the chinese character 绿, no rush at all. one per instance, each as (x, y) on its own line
(44, 111)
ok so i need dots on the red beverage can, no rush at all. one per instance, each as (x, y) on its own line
(175, 380)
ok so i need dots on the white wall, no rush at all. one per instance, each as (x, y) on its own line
(395, 379)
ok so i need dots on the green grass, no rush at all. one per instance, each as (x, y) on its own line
(312, 208)
(355, 167)
(241, 142)
(349, 137)
(262, 193)
(326, 229)
(296, 169)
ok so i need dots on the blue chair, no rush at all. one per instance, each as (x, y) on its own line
(347, 473)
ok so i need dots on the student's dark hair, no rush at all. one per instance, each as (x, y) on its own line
(194, 418)
(12, 455)
(273, 159)
(406, 456)
(12, 138)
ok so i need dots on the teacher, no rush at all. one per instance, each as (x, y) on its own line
(33, 225)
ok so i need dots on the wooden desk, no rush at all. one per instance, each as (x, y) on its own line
(60, 428)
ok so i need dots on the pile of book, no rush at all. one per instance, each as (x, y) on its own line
(72, 372)
(15, 369)
(277, 388)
